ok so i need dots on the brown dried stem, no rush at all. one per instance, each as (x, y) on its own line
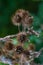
(30, 32)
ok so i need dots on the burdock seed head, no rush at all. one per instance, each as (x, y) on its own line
(26, 52)
(19, 49)
(22, 37)
(18, 16)
(31, 47)
(9, 45)
(16, 20)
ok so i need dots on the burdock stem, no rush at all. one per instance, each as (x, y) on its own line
(30, 32)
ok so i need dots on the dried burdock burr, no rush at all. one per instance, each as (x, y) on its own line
(16, 18)
(18, 53)
(8, 48)
(19, 49)
(26, 54)
(31, 47)
(22, 37)
(9, 45)
(27, 21)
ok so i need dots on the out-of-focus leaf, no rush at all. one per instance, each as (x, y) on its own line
(41, 58)
(3, 63)
(14, 41)
(40, 12)
(36, 22)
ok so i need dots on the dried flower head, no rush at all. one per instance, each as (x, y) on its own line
(9, 45)
(22, 37)
(8, 48)
(26, 53)
(31, 47)
(27, 21)
(17, 17)
(18, 53)
(19, 49)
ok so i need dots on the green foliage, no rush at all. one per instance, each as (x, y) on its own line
(3, 63)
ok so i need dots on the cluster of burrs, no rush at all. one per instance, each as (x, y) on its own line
(18, 54)
(22, 17)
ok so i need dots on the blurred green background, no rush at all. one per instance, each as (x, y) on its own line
(35, 7)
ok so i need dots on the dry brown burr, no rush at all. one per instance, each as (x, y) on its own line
(17, 54)
(8, 48)
(9, 45)
(19, 49)
(31, 47)
(17, 18)
(26, 54)
(22, 37)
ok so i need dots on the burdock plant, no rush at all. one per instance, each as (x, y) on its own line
(16, 54)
